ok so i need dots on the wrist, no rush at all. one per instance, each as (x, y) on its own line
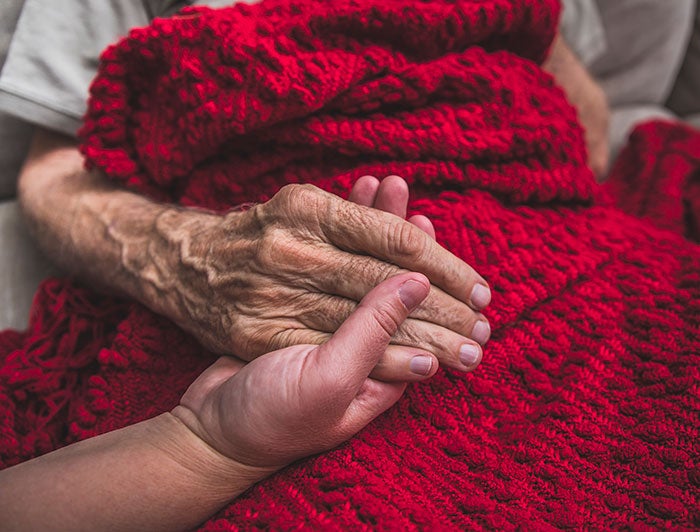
(191, 260)
(221, 477)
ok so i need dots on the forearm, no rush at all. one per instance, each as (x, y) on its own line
(285, 272)
(156, 475)
(109, 237)
(570, 73)
(587, 96)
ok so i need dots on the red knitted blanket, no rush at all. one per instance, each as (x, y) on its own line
(586, 409)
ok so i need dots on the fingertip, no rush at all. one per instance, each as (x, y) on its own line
(424, 224)
(405, 364)
(481, 332)
(364, 191)
(423, 366)
(414, 290)
(480, 296)
(470, 355)
(397, 181)
(392, 196)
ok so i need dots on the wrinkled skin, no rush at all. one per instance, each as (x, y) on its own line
(303, 399)
(291, 270)
(285, 272)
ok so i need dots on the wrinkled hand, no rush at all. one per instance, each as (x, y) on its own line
(304, 399)
(291, 270)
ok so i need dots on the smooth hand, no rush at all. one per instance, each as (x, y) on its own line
(304, 399)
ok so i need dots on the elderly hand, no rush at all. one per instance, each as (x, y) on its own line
(291, 270)
(304, 399)
(235, 425)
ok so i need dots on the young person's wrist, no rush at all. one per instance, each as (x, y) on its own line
(220, 477)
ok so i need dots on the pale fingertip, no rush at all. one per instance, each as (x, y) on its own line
(412, 292)
(481, 332)
(421, 365)
(392, 196)
(364, 191)
(480, 296)
(470, 356)
(424, 224)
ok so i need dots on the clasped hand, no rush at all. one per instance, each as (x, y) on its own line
(292, 270)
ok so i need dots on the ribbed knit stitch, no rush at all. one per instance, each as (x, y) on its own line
(586, 409)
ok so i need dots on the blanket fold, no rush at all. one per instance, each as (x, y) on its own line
(586, 409)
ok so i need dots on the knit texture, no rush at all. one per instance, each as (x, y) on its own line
(586, 409)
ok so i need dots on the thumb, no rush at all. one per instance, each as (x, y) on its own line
(351, 354)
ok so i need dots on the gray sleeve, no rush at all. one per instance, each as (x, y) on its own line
(54, 55)
(583, 30)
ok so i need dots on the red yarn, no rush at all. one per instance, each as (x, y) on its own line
(586, 409)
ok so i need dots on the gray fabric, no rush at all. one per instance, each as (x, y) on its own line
(646, 41)
(693, 120)
(685, 98)
(50, 62)
(14, 135)
(583, 30)
(53, 56)
(644, 45)
(9, 13)
(22, 268)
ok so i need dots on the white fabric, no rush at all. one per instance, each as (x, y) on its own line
(583, 30)
(53, 56)
(646, 42)
(52, 59)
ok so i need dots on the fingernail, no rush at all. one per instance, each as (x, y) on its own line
(481, 296)
(481, 332)
(412, 293)
(469, 355)
(421, 365)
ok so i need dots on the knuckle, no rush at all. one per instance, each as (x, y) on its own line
(464, 321)
(387, 318)
(294, 206)
(448, 312)
(261, 340)
(271, 248)
(296, 196)
(407, 335)
(250, 342)
(326, 312)
(406, 240)
(369, 270)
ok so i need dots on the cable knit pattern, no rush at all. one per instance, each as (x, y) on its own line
(586, 409)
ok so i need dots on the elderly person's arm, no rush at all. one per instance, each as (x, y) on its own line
(234, 426)
(588, 98)
(285, 272)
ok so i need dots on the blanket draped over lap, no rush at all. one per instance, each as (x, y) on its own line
(586, 409)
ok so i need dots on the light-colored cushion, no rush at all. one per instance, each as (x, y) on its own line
(22, 268)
